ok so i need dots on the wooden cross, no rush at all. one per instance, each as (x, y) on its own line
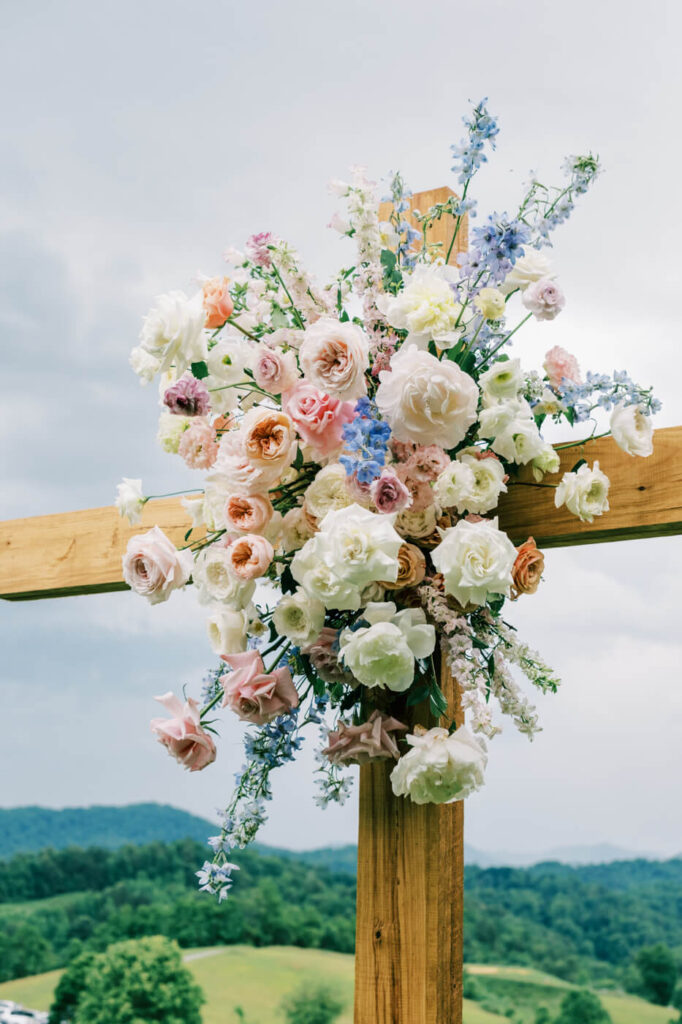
(410, 857)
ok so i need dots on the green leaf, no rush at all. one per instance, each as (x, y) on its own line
(388, 260)
(189, 533)
(437, 701)
(495, 603)
(298, 461)
(540, 418)
(570, 415)
(469, 362)
(579, 463)
(279, 318)
(200, 370)
(287, 582)
(417, 694)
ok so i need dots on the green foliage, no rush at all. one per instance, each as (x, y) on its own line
(542, 1015)
(582, 1007)
(317, 1004)
(141, 980)
(658, 973)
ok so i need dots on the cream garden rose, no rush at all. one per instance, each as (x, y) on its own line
(383, 653)
(632, 430)
(585, 492)
(226, 629)
(334, 357)
(215, 581)
(441, 767)
(426, 307)
(476, 560)
(490, 303)
(299, 617)
(425, 400)
(328, 491)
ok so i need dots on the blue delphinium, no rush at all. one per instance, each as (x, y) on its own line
(470, 153)
(366, 438)
(600, 391)
(495, 247)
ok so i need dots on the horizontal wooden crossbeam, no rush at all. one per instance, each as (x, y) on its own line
(80, 552)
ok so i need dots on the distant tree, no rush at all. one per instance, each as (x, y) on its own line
(311, 1004)
(542, 1015)
(70, 988)
(582, 1007)
(658, 971)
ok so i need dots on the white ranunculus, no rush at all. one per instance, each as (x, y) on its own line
(144, 364)
(173, 330)
(425, 400)
(547, 461)
(334, 357)
(383, 653)
(441, 767)
(216, 583)
(530, 267)
(476, 560)
(585, 493)
(130, 500)
(426, 307)
(632, 430)
(328, 491)
(321, 581)
(471, 484)
(520, 442)
(226, 629)
(299, 617)
(502, 380)
(171, 429)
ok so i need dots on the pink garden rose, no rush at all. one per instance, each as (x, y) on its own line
(559, 365)
(250, 556)
(183, 735)
(153, 567)
(254, 695)
(275, 371)
(218, 304)
(334, 357)
(318, 418)
(187, 397)
(248, 513)
(389, 493)
(544, 298)
(370, 741)
(198, 445)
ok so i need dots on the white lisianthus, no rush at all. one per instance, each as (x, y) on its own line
(384, 652)
(532, 266)
(585, 493)
(194, 506)
(299, 617)
(441, 767)
(632, 430)
(471, 484)
(502, 380)
(476, 560)
(328, 491)
(171, 429)
(426, 307)
(549, 404)
(547, 461)
(497, 416)
(130, 500)
(490, 303)
(216, 583)
(226, 629)
(144, 364)
(228, 359)
(173, 330)
(334, 357)
(426, 401)
(520, 442)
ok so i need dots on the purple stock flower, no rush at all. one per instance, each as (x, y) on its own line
(257, 248)
(187, 397)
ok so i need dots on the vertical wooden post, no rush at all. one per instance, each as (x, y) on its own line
(408, 950)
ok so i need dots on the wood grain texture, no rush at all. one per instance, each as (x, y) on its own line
(408, 950)
(441, 231)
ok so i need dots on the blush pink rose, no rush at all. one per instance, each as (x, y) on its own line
(275, 371)
(250, 556)
(559, 365)
(544, 298)
(334, 357)
(198, 445)
(248, 513)
(254, 695)
(218, 304)
(183, 735)
(389, 493)
(153, 567)
(318, 418)
(428, 462)
(370, 741)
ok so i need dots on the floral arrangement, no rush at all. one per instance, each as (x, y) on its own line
(356, 439)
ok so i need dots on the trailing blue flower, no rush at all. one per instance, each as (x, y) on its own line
(481, 127)
(366, 438)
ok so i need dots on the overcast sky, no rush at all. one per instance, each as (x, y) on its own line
(140, 140)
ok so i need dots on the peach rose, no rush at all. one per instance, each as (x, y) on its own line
(411, 568)
(560, 364)
(269, 439)
(183, 735)
(318, 417)
(254, 695)
(153, 567)
(248, 513)
(369, 741)
(250, 556)
(334, 357)
(218, 304)
(527, 569)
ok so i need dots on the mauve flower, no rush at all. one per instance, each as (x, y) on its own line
(256, 248)
(248, 513)
(324, 657)
(318, 418)
(187, 397)
(420, 490)
(250, 556)
(389, 493)
(544, 298)
(428, 462)
(527, 569)
(218, 304)
(183, 735)
(153, 567)
(369, 741)
(559, 365)
(198, 445)
(254, 695)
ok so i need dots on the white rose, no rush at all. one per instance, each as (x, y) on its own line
(441, 767)
(215, 581)
(296, 529)
(426, 307)
(227, 630)
(520, 442)
(320, 581)
(171, 429)
(502, 380)
(359, 545)
(476, 560)
(632, 430)
(471, 484)
(328, 491)
(334, 357)
(383, 653)
(299, 617)
(145, 365)
(528, 268)
(130, 500)
(547, 461)
(584, 493)
(173, 331)
(425, 400)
